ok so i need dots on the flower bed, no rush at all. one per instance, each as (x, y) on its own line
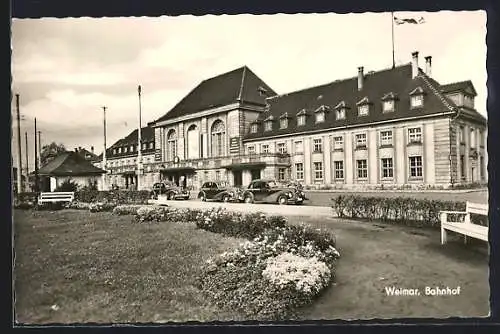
(268, 278)
(92, 207)
(403, 210)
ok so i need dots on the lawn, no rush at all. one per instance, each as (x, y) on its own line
(375, 256)
(75, 266)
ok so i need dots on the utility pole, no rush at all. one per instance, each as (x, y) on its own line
(104, 163)
(27, 159)
(139, 143)
(19, 156)
(40, 148)
(37, 184)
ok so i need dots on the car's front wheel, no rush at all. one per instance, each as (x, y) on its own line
(170, 196)
(248, 199)
(226, 198)
(202, 197)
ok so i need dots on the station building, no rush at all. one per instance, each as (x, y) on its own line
(389, 128)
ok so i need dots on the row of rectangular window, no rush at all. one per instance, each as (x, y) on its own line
(340, 114)
(386, 139)
(386, 164)
(132, 148)
(119, 163)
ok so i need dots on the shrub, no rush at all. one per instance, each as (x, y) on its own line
(78, 205)
(402, 210)
(113, 196)
(101, 207)
(68, 185)
(219, 220)
(122, 210)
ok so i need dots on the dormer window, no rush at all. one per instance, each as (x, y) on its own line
(417, 97)
(253, 128)
(262, 91)
(284, 121)
(320, 114)
(340, 110)
(388, 102)
(320, 117)
(301, 118)
(363, 107)
(468, 101)
(268, 124)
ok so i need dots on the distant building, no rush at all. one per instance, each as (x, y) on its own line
(121, 160)
(68, 166)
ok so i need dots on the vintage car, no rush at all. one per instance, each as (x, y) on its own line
(296, 185)
(170, 190)
(220, 191)
(270, 191)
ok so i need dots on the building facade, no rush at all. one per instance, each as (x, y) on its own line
(387, 129)
(391, 128)
(121, 162)
(202, 137)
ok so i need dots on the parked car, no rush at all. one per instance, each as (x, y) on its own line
(170, 189)
(270, 191)
(220, 191)
(296, 185)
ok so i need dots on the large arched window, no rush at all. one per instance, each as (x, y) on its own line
(171, 145)
(193, 142)
(218, 138)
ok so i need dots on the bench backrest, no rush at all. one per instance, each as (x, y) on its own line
(480, 209)
(57, 195)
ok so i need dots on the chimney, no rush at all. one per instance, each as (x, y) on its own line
(76, 149)
(428, 65)
(414, 64)
(92, 149)
(360, 78)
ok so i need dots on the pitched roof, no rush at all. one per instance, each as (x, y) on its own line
(377, 85)
(239, 85)
(69, 164)
(459, 86)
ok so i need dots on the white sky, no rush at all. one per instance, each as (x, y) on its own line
(66, 69)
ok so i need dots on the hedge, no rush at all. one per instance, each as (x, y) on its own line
(401, 210)
(114, 196)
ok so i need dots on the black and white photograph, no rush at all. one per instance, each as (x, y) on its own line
(232, 168)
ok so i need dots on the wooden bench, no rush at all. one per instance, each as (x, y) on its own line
(54, 197)
(465, 227)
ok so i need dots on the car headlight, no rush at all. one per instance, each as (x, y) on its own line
(290, 195)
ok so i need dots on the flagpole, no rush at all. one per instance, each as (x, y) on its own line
(392, 27)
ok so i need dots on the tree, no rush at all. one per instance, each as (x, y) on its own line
(48, 152)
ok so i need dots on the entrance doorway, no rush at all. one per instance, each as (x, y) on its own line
(255, 174)
(238, 178)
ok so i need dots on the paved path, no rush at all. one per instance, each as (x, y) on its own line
(294, 210)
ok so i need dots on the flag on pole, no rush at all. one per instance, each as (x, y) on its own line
(399, 21)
